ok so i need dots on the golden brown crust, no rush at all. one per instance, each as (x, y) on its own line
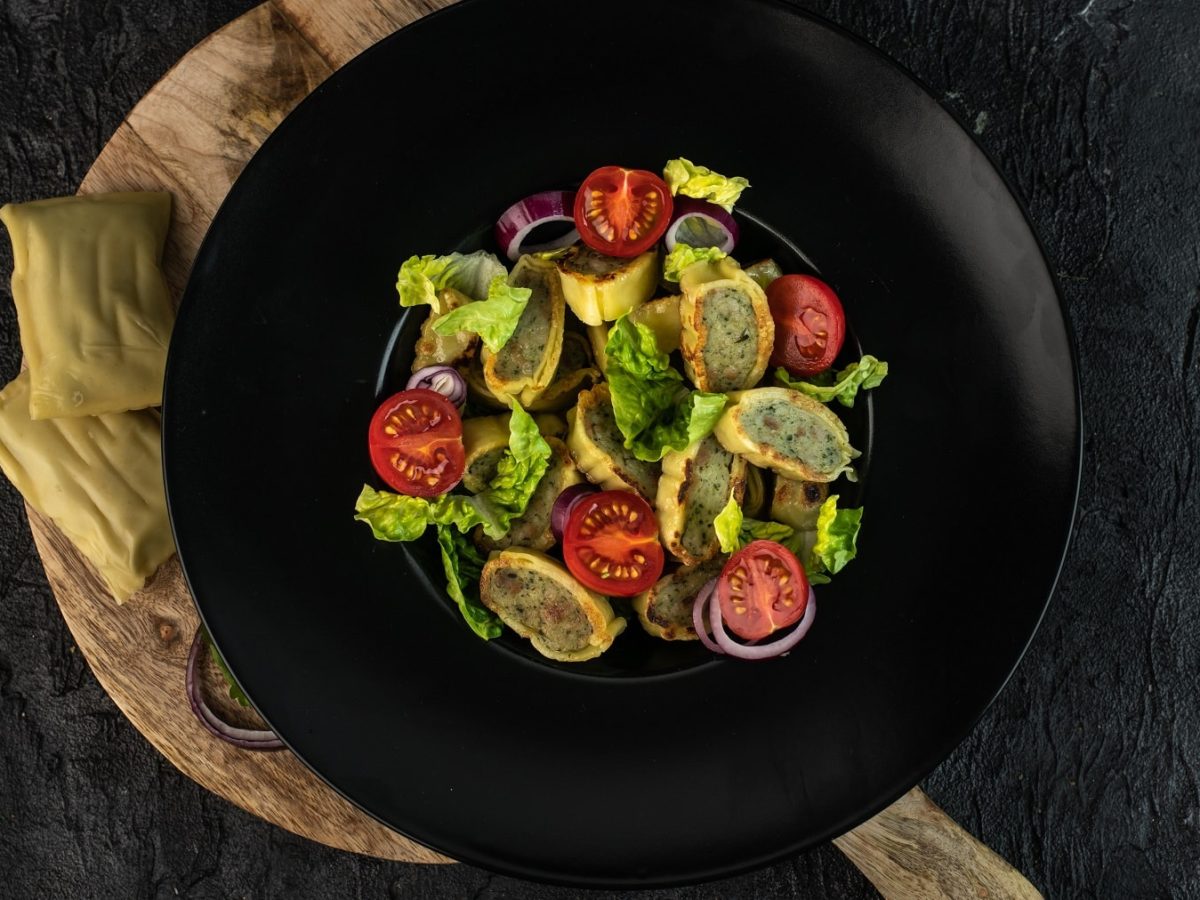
(527, 388)
(671, 503)
(694, 335)
(605, 624)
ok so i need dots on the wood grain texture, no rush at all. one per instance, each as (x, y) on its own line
(192, 135)
(913, 849)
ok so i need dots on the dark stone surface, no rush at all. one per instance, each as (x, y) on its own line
(1084, 773)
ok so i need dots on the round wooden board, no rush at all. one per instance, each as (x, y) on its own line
(191, 135)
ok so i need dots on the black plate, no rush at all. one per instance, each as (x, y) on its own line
(655, 764)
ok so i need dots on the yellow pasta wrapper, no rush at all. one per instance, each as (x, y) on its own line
(98, 477)
(92, 302)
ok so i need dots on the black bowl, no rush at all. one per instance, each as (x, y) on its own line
(655, 764)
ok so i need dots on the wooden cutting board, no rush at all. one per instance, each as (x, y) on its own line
(191, 135)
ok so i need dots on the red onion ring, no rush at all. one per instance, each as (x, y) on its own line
(698, 606)
(564, 504)
(445, 380)
(777, 647)
(538, 209)
(713, 218)
(246, 738)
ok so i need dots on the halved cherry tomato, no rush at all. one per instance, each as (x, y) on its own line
(809, 324)
(416, 443)
(622, 212)
(761, 589)
(611, 544)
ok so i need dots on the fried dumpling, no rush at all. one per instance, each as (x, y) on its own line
(696, 484)
(665, 611)
(787, 432)
(539, 599)
(525, 366)
(727, 331)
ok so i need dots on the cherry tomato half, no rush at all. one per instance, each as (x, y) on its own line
(611, 544)
(622, 212)
(416, 444)
(761, 589)
(809, 324)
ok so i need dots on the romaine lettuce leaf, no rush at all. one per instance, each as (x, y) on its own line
(865, 374)
(517, 475)
(683, 256)
(421, 277)
(734, 531)
(494, 319)
(653, 407)
(685, 177)
(463, 565)
(837, 537)
(728, 525)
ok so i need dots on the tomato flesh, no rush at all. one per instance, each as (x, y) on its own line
(762, 589)
(810, 325)
(622, 212)
(611, 544)
(415, 442)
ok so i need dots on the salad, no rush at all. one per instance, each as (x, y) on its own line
(627, 423)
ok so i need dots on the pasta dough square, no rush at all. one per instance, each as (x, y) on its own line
(98, 477)
(92, 302)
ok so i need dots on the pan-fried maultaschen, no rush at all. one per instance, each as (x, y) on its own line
(537, 598)
(525, 366)
(727, 333)
(784, 430)
(696, 483)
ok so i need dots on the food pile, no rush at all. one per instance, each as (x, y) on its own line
(627, 422)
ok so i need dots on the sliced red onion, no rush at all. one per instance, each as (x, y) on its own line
(777, 647)
(698, 606)
(446, 380)
(698, 223)
(246, 738)
(521, 218)
(564, 504)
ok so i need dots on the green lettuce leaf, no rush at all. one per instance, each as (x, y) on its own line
(734, 531)
(691, 419)
(494, 319)
(685, 177)
(517, 475)
(728, 525)
(463, 565)
(837, 540)
(837, 536)
(398, 517)
(421, 277)
(865, 374)
(653, 407)
(683, 256)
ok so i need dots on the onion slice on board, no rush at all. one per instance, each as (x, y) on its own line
(520, 219)
(246, 738)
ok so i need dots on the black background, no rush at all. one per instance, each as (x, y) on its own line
(1083, 774)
